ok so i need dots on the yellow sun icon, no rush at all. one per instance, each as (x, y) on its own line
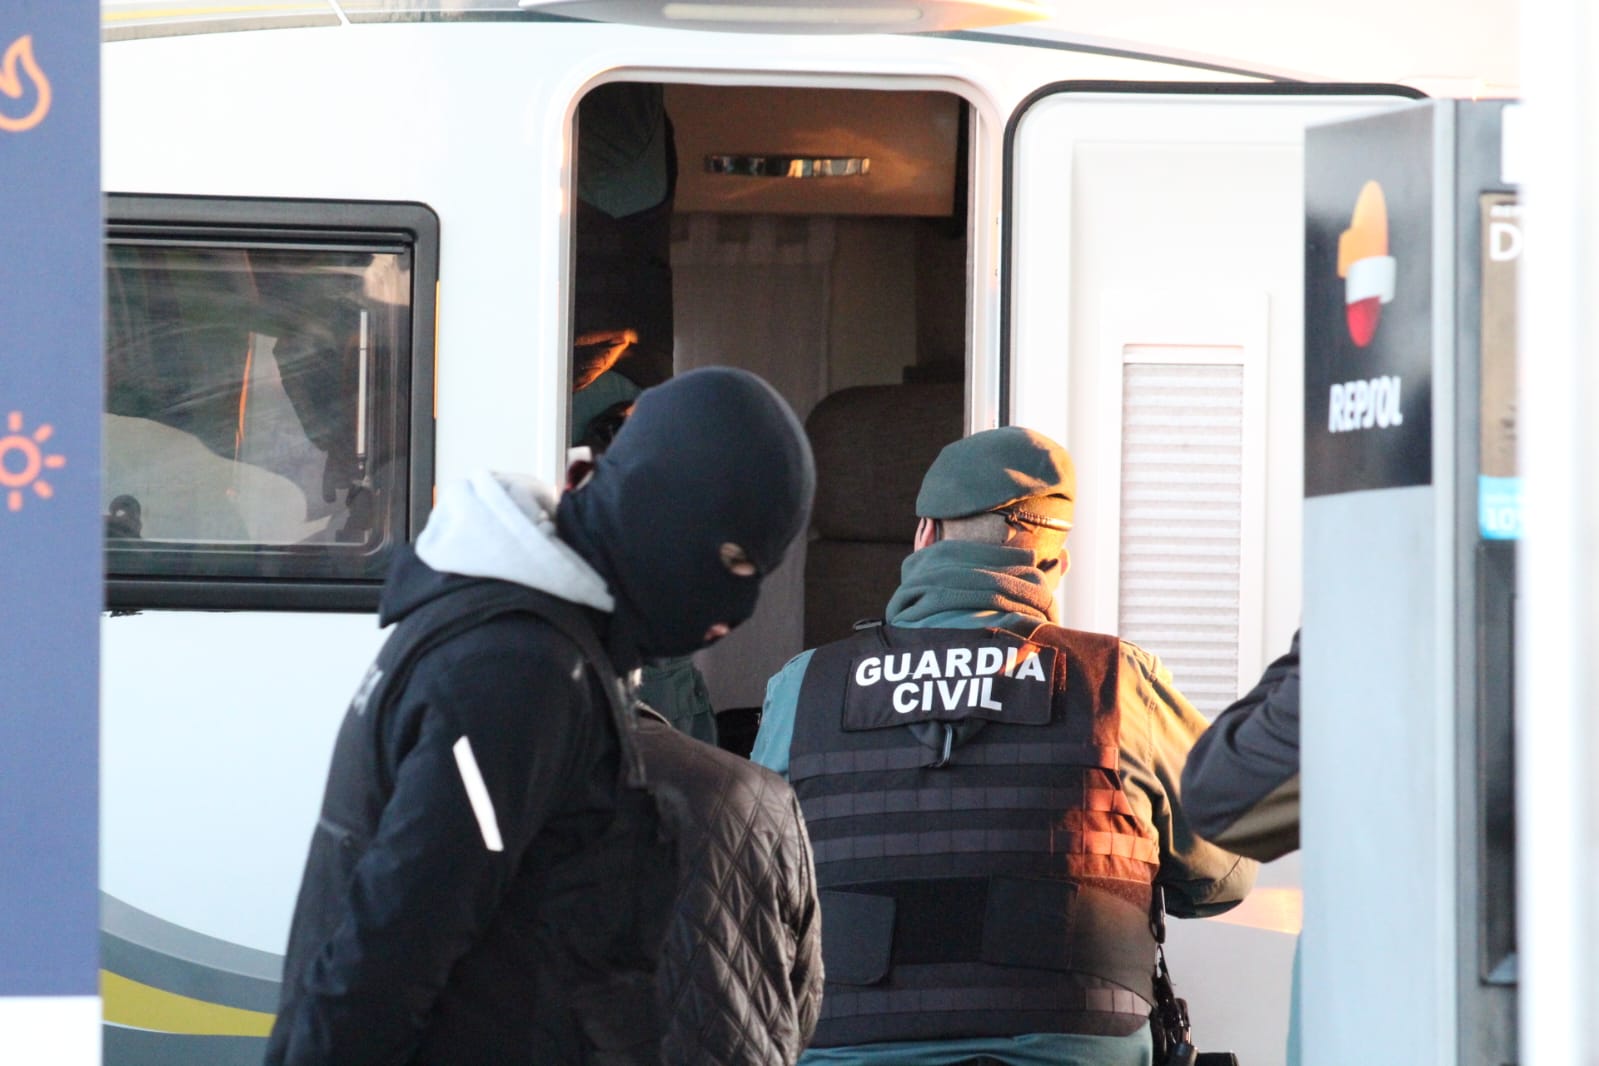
(22, 460)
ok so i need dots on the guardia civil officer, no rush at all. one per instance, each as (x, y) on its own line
(990, 797)
(488, 883)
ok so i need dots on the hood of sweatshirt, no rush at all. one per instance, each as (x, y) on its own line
(491, 525)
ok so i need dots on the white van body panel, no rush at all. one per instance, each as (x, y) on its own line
(1164, 231)
(217, 726)
(216, 731)
(453, 116)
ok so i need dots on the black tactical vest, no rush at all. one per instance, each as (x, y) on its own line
(982, 872)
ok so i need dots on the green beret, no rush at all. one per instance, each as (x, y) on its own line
(1011, 469)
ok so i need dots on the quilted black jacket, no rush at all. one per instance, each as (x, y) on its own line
(740, 972)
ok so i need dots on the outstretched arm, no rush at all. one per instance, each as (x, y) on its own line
(1200, 878)
(1241, 784)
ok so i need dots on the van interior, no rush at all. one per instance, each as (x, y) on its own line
(819, 238)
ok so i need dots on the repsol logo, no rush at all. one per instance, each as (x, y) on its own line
(949, 679)
(1364, 404)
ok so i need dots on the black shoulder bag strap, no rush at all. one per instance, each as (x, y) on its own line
(1168, 1022)
(447, 617)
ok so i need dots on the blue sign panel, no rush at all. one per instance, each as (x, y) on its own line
(1499, 508)
(50, 524)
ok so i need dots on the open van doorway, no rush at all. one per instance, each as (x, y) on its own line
(818, 237)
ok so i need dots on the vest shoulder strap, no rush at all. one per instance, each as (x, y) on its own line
(475, 604)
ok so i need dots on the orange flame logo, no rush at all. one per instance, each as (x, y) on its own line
(22, 461)
(18, 70)
(1365, 265)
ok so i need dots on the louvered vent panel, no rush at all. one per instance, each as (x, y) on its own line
(1181, 507)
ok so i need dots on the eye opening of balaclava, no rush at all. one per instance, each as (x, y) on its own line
(709, 459)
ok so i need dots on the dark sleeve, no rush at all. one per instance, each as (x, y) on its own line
(497, 732)
(1241, 784)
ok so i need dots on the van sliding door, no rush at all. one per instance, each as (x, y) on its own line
(1152, 321)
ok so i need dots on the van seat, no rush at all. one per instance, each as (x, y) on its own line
(872, 445)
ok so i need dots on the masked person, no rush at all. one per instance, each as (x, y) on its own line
(484, 884)
(739, 976)
(674, 687)
(991, 798)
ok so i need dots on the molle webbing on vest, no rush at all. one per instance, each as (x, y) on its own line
(1038, 806)
(955, 842)
(914, 801)
(1040, 753)
(1031, 809)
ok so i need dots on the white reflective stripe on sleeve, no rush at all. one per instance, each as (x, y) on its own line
(478, 793)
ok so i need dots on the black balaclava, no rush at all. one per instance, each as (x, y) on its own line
(711, 457)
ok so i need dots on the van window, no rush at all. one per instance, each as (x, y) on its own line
(257, 421)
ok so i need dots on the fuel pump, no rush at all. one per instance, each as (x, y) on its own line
(1412, 515)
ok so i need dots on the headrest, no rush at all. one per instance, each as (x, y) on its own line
(872, 445)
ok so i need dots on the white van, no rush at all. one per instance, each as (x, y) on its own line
(344, 267)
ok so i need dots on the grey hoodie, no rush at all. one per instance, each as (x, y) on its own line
(503, 526)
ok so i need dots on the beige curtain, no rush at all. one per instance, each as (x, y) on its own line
(753, 291)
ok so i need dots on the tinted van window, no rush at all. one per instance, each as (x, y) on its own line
(257, 417)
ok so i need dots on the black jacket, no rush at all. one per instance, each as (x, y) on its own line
(546, 921)
(740, 980)
(435, 928)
